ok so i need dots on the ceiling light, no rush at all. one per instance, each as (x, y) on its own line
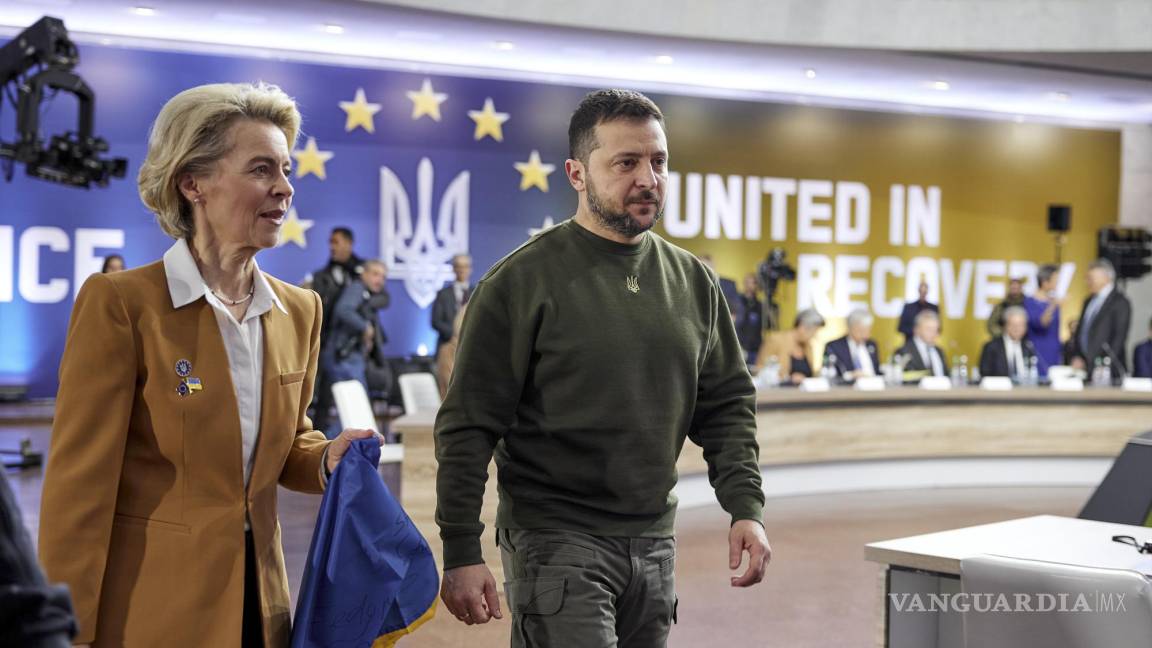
(810, 73)
(333, 28)
(939, 85)
(504, 46)
(663, 59)
(1057, 96)
(144, 11)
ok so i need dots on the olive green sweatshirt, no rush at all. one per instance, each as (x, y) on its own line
(583, 364)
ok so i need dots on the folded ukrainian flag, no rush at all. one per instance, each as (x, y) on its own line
(370, 577)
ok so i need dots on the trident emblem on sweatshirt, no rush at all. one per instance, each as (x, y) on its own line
(633, 284)
(416, 246)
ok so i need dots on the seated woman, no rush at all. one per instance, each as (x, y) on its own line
(792, 348)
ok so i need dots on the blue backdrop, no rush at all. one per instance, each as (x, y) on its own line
(52, 237)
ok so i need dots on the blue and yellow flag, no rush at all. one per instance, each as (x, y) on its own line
(370, 577)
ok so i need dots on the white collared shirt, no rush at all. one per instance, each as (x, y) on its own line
(459, 288)
(1096, 302)
(860, 352)
(930, 357)
(1015, 354)
(243, 341)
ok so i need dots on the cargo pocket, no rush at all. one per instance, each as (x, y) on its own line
(532, 601)
(535, 595)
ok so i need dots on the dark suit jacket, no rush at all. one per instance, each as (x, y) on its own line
(994, 357)
(839, 348)
(916, 362)
(1142, 360)
(908, 316)
(731, 293)
(444, 311)
(1110, 327)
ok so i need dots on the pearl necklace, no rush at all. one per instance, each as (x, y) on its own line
(235, 302)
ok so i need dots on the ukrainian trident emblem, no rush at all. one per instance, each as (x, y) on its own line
(419, 252)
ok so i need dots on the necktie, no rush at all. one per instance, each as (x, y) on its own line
(466, 294)
(1089, 316)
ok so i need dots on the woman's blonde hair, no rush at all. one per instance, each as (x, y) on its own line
(191, 133)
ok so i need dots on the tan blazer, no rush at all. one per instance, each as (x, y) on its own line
(144, 501)
(782, 344)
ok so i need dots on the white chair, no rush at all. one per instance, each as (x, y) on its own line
(419, 392)
(1120, 601)
(354, 406)
(355, 410)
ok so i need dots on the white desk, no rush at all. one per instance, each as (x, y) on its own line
(930, 564)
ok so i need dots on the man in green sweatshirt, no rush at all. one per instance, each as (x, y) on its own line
(586, 358)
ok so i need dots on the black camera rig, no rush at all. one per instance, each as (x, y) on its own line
(72, 158)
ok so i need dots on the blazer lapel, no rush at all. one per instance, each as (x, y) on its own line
(211, 415)
(277, 418)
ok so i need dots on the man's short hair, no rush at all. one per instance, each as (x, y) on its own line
(924, 316)
(461, 255)
(1045, 273)
(859, 316)
(373, 263)
(1105, 265)
(605, 106)
(809, 317)
(345, 232)
(1013, 311)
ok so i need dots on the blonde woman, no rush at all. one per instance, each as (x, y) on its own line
(182, 399)
(793, 348)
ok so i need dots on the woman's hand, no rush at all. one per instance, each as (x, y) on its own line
(340, 445)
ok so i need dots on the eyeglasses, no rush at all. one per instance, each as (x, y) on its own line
(1145, 548)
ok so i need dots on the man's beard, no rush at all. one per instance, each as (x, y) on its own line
(622, 222)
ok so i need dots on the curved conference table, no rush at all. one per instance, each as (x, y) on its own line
(844, 427)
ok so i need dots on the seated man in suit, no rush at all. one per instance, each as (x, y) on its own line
(922, 356)
(1142, 357)
(856, 355)
(1011, 353)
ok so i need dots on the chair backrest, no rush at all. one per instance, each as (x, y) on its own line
(1118, 604)
(354, 406)
(419, 392)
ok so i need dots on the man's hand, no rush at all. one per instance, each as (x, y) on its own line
(469, 593)
(748, 536)
(340, 445)
(1078, 363)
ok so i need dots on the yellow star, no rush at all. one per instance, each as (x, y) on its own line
(488, 121)
(426, 102)
(533, 173)
(311, 160)
(360, 112)
(292, 230)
